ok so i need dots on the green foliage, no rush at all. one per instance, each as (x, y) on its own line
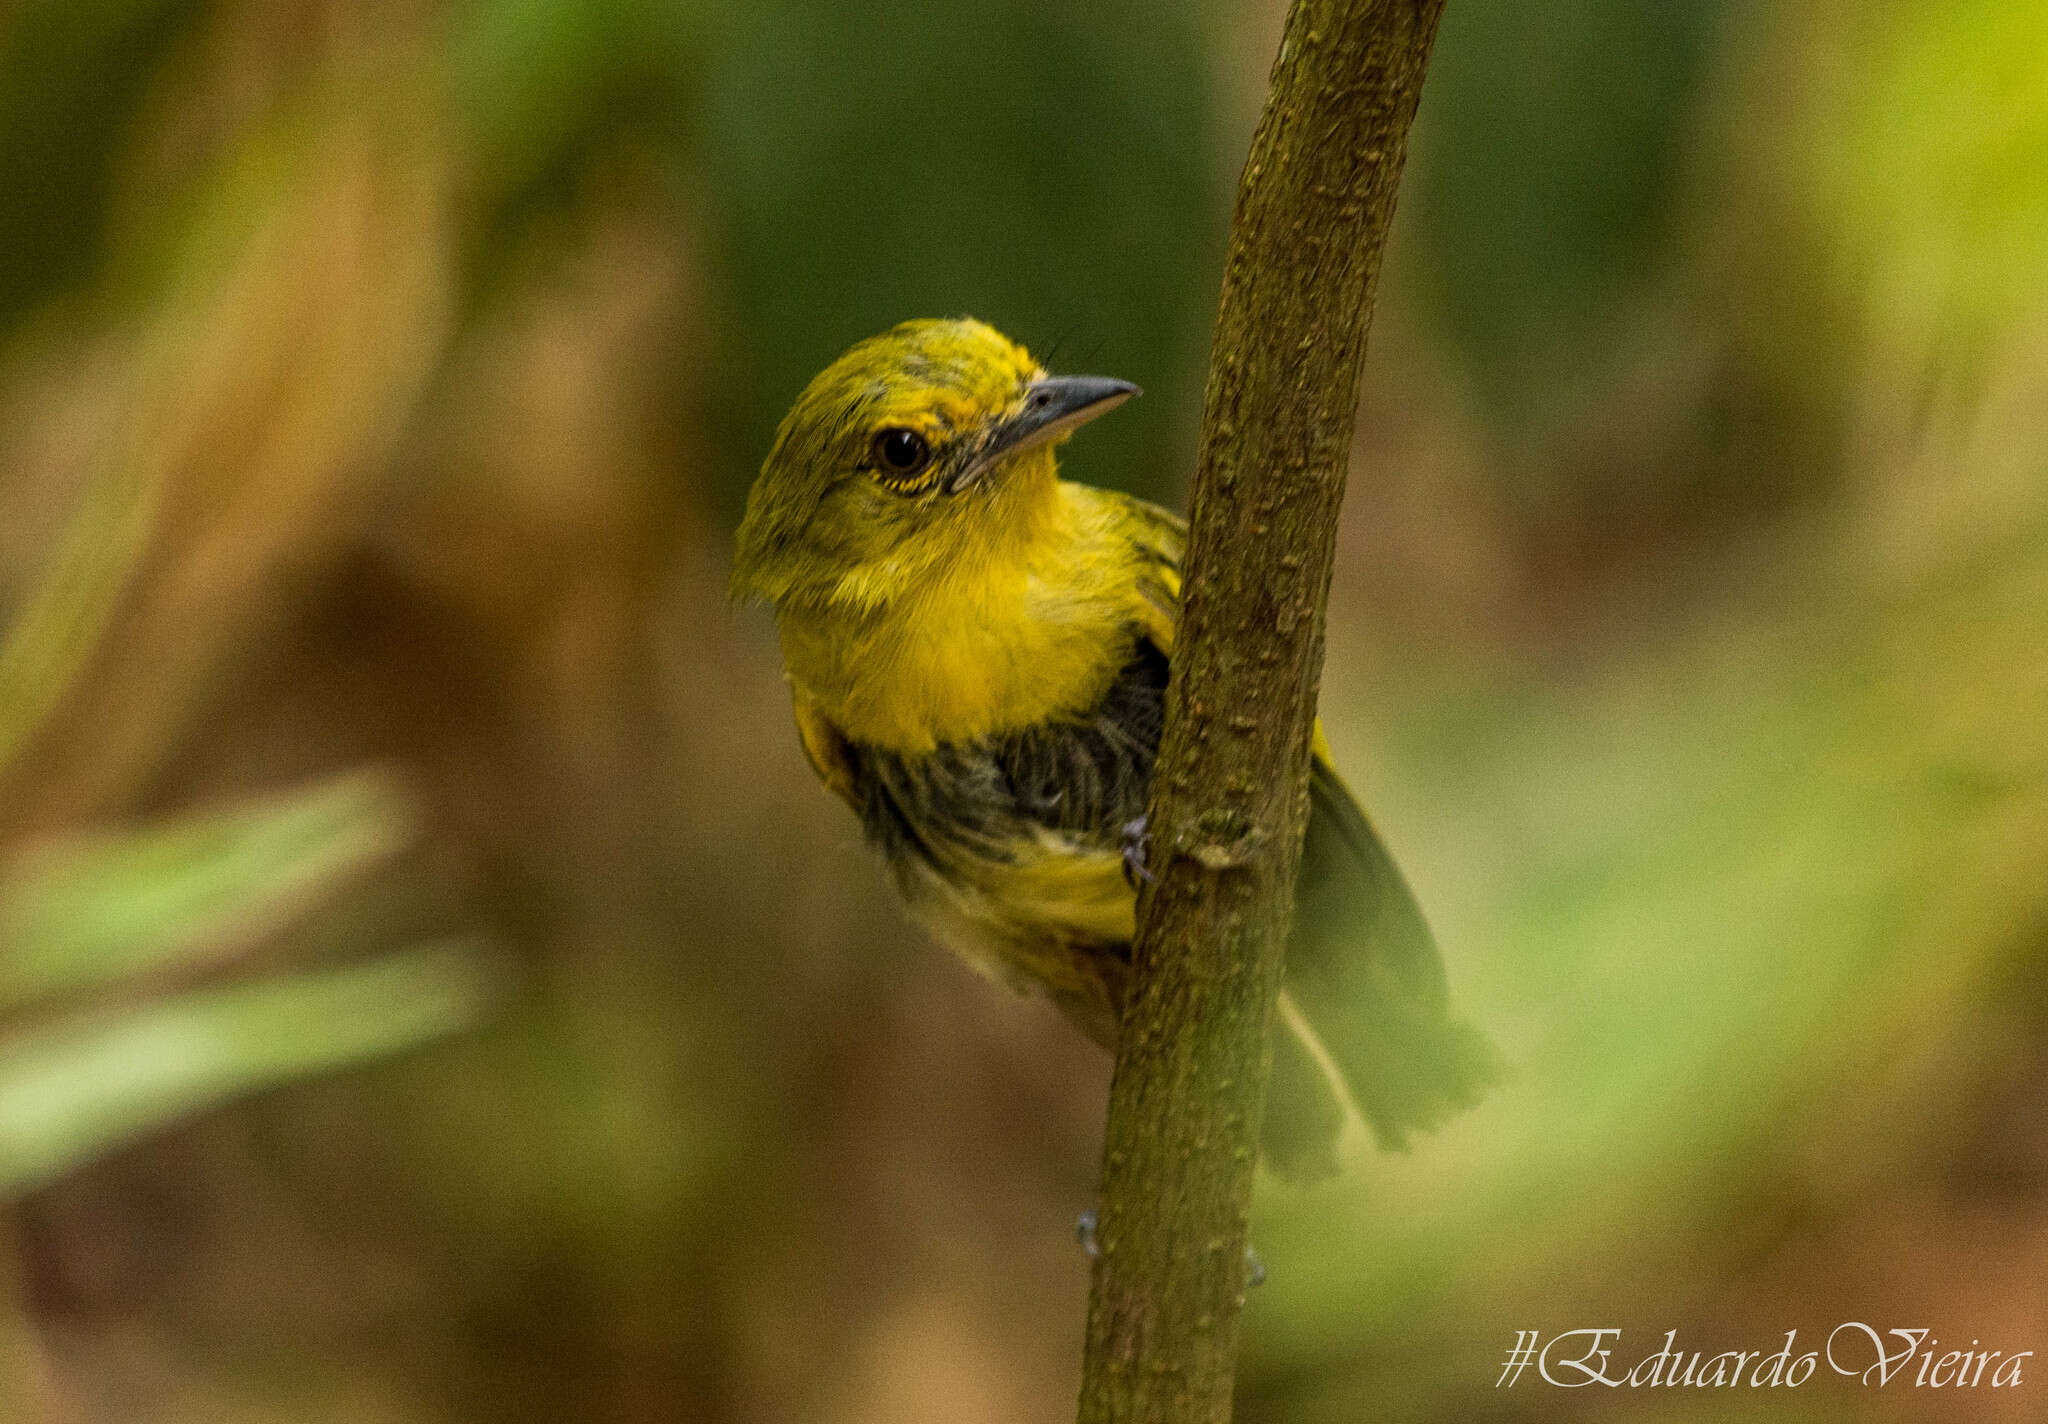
(76, 1089)
(94, 1053)
(81, 915)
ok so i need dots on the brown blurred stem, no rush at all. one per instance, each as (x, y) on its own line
(1230, 799)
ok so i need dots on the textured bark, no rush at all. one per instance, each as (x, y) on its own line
(1230, 798)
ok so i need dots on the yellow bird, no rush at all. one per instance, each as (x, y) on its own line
(978, 652)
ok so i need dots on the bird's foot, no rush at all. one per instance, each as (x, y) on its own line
(1137, 839)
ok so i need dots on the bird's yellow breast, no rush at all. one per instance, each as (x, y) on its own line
(1000, 637)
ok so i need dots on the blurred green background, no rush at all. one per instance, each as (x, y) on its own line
(432, 987)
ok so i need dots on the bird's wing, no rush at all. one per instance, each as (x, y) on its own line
(1160, 538)
(1364, 969)
(828, 752)
(1370, 1030)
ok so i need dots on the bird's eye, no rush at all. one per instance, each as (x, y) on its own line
(901, 452)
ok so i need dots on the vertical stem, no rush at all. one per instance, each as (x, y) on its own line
(1230, 797)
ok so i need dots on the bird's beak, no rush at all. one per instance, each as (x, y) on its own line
(1051, 410)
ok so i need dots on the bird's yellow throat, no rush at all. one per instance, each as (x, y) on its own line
(1004, 616)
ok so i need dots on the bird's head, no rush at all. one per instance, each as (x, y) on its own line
(928, 444)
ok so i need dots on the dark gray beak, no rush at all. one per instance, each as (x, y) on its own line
(1053, 408)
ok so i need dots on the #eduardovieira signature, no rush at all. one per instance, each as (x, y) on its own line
(1573, 1359)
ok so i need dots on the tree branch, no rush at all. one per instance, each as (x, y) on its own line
(1230, 794)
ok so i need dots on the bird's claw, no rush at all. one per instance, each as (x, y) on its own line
(1136, 842)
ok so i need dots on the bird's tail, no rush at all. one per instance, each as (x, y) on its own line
(1365, 1028)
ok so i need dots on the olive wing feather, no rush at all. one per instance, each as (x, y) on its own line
(1365, 1009)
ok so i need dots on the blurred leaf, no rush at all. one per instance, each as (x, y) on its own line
(91, 912)
(236, 473)
(45, 647)
(70, 71)
(74, 1091)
